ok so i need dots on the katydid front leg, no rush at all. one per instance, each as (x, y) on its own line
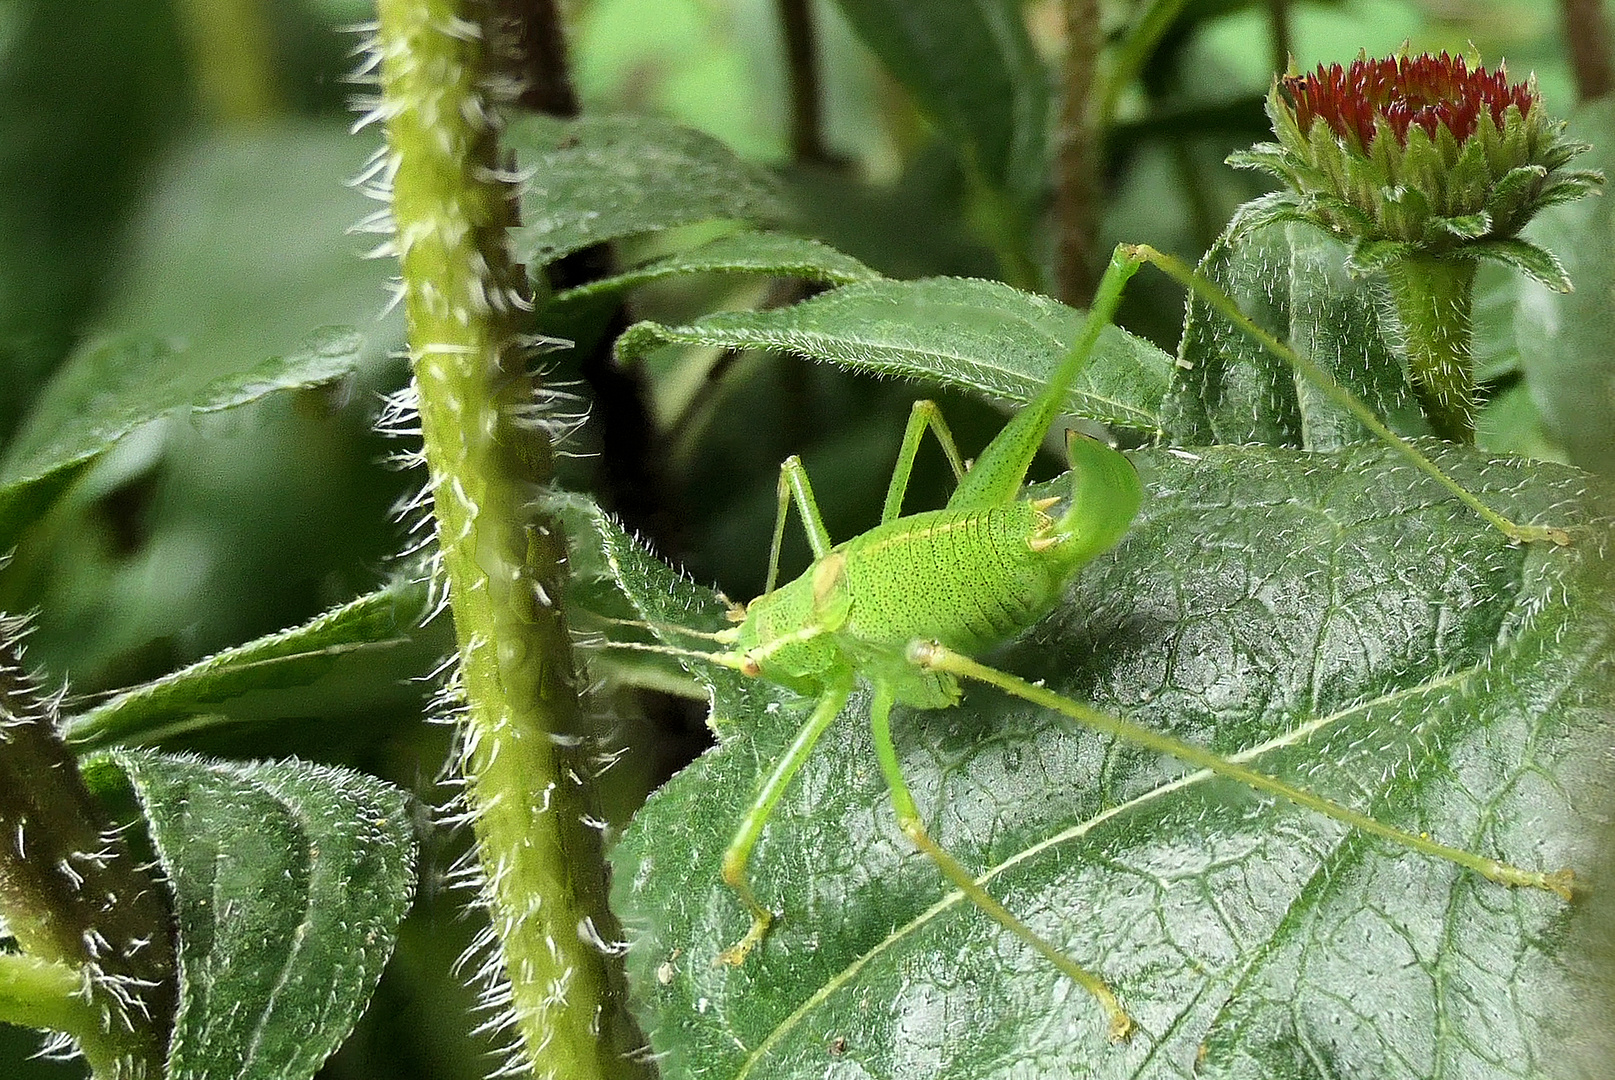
(738, 854)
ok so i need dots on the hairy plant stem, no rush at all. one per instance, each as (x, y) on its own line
(46, 994)
(489, 459)
(1079, 192)
(74, 897)
(1433, 297)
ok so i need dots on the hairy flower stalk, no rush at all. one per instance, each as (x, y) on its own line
(97, 960)
(489, 453)
(1423, 166)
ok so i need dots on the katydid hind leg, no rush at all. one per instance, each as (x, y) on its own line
(1000, 470)
(923, 415)
(935, 657)
(737, 857)
(913, 827)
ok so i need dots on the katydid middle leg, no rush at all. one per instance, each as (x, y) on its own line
(913, 827)
(923, 415)
(794, 486)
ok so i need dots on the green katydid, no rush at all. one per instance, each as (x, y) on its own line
(993, 563)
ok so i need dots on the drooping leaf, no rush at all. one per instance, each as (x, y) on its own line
(980, 335)
(205, 325)
(778, 254)
(293, 657)
(113, 386)
(1267, 603)
(973, 71)
(606, 177)
(289, 881)
(1292, 279)
(247, 243)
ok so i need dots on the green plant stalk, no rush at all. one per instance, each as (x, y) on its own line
(1434, 297)
(542, 866)
(232, 51)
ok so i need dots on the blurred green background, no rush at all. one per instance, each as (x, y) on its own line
(178, 168)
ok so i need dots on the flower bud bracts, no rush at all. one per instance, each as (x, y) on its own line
(1419, 155)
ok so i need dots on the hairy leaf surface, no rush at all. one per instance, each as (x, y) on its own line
(289, 881)
(963, 332)
(1565, 339)
(295, 656)
(1333, 619)
(751, 252)
(606, 177)
(1291, 278)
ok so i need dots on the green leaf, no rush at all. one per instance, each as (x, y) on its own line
(1566, 339)
(244, 247)
(1269, 603)
(608, 177)
(980, 335)
(1295, 281)
(241, 280)
(1535, 262)
(289, 882)
(111, 387)
(778, 254)
(293, 657)
(1465, 226)
(973, 71)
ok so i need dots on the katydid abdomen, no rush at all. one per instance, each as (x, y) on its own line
(970, 578)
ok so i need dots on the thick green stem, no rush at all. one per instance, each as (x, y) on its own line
(489, 457)
(1433, 297)
(232, 49)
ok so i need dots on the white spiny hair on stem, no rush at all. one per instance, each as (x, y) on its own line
(555, 411)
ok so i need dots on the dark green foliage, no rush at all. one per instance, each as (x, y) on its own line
(289, 880)
(600, 179)
(976, 335)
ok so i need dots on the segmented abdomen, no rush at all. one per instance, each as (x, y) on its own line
(968, 578)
